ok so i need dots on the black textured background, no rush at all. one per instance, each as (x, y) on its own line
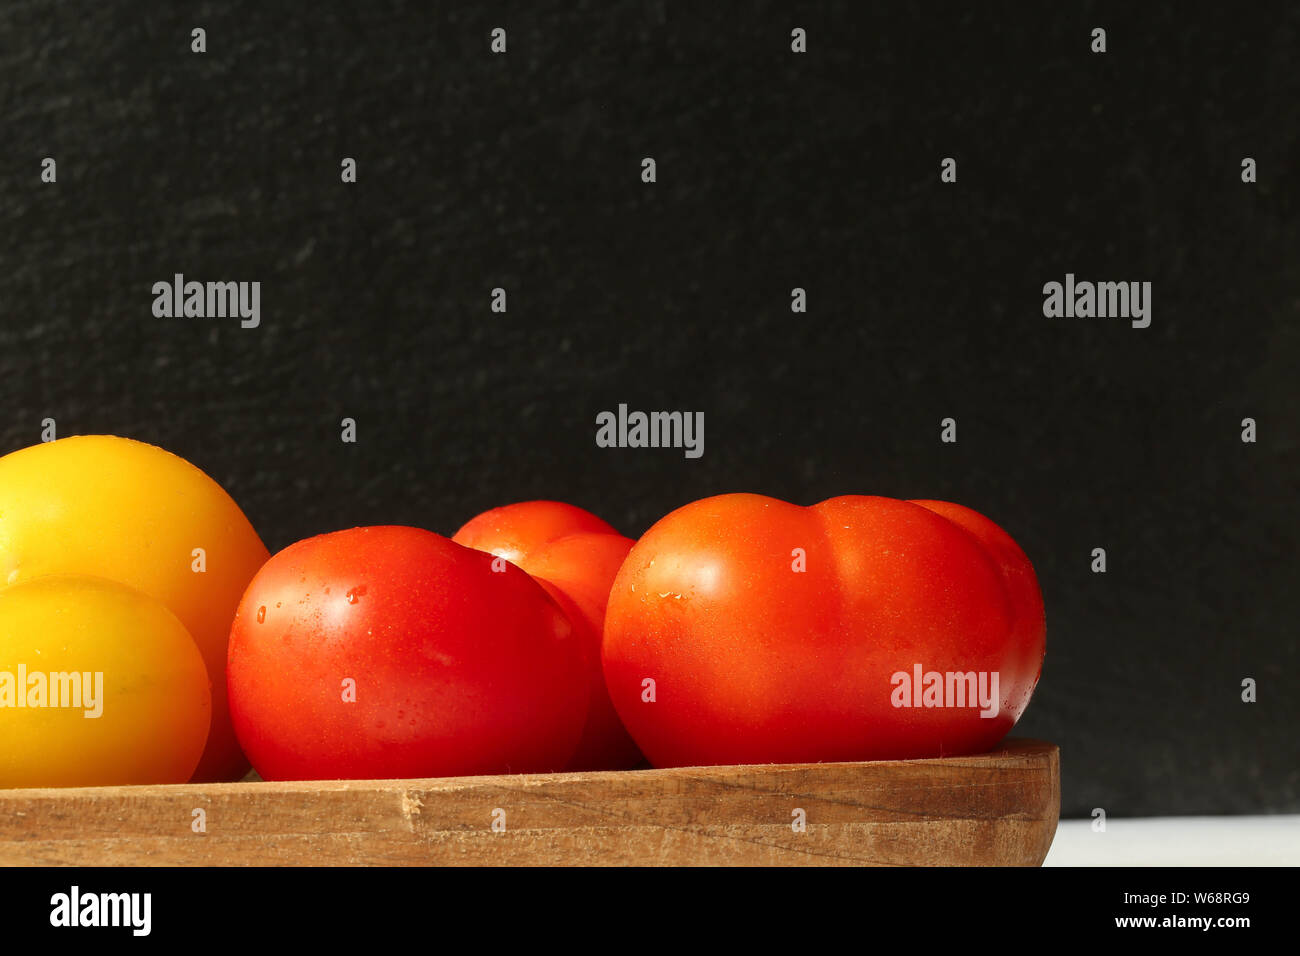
(775, 171)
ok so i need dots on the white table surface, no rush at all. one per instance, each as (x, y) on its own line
(1179, 841)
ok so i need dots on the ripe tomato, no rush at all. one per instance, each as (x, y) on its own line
(743, 629)
(575, 556)
(131, 512)
(394, 652)
(99, 685)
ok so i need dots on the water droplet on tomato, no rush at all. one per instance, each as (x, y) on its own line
(261, 614)
(356, 593)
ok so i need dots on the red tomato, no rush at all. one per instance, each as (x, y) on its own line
(457, 668)
(575, 556)
(753, 660)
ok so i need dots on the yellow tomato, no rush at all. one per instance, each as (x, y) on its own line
(131, 512)
(99, 684)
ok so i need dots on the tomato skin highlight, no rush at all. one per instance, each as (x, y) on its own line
(459, 669)
(754, 661)
(575, 556)
(517, 530)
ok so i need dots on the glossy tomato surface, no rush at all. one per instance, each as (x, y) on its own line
(516, 531)
(394, 652)
(744, 629)
(575, 556)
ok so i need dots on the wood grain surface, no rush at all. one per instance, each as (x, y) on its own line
(998, 808)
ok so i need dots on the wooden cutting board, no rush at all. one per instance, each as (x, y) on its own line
(998, 808)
